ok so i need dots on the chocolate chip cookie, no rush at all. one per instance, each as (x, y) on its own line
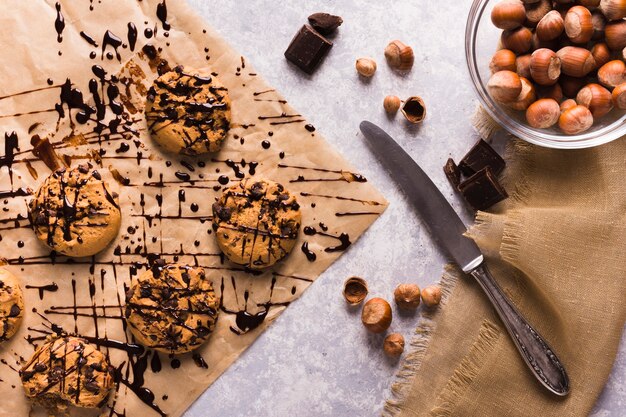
(172, 308)
(11, 305)
(67, 371)
(74, 212)
(256, 223)
(188, 111)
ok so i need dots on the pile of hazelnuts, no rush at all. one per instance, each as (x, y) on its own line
(377, 315)
(561, 61)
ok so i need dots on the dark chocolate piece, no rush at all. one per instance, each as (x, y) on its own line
(307, 49)
(452, 172)
(482, 190)
(480, 156)
(325, 23)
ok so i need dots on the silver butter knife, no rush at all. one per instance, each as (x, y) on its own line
(447, 229)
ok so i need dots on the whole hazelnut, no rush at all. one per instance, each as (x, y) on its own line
(601, 54)
(376, 315)
(576, 61)
(504, 86)
(543, 113)
(613, 9)
(596, 98)
(431, 295)
(550, 26)
(523, 66)
(393, 345)
(599, 23)
(527, 96)
(575, 120)
(517, 40)
(536, 11)
(508, 14)
(366, 66)
(612, 73)
(399, 55)
(615, 34)
(567, 104)
(545, 67)
(578, 24)
(502, 60)
(392, 104)
(619, 96)
(407, 296)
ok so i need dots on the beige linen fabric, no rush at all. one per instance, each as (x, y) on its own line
(556, 247)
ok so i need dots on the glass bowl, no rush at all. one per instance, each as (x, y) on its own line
(481, 42)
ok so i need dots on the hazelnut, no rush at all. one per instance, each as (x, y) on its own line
(391, 104)
(619, 96)
(550, 26)
(578, 24)
(613, 9)
(393, 345)
(366, 66)
(376, 315)
(407, 296)
(599, 22)
(575, 120)
(504, 86)
(504, 59)
(508, 14)
(517, 40)
(553, 91)
(431, 295)
(414, 109)
(567, 104)
(615, 35)
(612, 73)
(536, 11)
(601, 54)
(526, 97)
(523, 66)
(355, 290)
(596, 98)
(545, 67)
(399, 55)
(543, 113)
(576, 61)
(571, 85)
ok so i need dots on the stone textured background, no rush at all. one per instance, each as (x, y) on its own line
(317, 359)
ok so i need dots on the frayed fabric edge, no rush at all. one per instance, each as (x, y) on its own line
(484, 123)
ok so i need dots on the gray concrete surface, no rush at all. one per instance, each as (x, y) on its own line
(316, 359)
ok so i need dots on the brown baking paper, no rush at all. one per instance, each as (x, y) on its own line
(38, 57)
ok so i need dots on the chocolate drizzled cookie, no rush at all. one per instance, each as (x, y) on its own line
(11, 305)
(74, 212)
(256, 223)
(188, 112)
(67, 371)
(172, 308)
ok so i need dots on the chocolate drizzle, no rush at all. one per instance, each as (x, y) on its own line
(114, 41)
(132, 35)
(53, 287)
(161, 12)
(59, 23)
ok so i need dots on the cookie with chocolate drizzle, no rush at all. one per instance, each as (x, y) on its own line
(256, 223)
(74, 212)
(188, 111)
(67, 371)
(172, 308)
(11, 305)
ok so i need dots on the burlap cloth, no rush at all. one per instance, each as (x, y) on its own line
(556, 246)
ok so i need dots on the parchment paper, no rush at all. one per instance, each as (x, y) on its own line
(36, 55)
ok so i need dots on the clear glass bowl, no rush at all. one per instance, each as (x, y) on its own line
(481, 42)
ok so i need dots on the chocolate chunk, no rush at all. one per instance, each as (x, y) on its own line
(307, 49)
(325, 23)
(15, 311)
(452, 172)
(480, 156)
(482, 190)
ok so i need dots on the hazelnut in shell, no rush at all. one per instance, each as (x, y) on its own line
(392, 104)
(619, 96)
(517, 40)
(543, 113)
(596, 98)
(536, 11)
(567, 104)
(502, 60)
(578, 24)
(545, 67)
(393, 345)
(615, 35)
(523, 66)
(414, 109)
(407, 296)
(575, 120)
(355, 290)
(612, 73)
(599, 22)
(613, 9)
(550, 26)
(431, 295)
(601, 54)
(365, 67)
(376, 315)
(576, 61)
(399, 55)
(504, 86)
(508, 14)
(526, 97)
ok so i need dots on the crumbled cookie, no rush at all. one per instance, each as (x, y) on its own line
(256, 223)
(11, 305)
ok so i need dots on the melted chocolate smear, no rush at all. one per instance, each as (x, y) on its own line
(310, 128)
(132, 35)
(43, 288)
(155, 362)
(111, 39)
(199, 361)
(161, 13)
(20, 192)
(11, 144)
(147, 32)
(309, 254)
(43, 149)
(247, 322)
(59, 23)
(343, 238)
(91, 41)
(143, 393)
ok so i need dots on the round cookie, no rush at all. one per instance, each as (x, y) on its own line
(67, 371)
(172, 308)
(188, 112)
(256, 223)
(11, 305)
(74, 212)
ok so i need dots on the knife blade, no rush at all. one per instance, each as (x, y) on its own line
(447, 230)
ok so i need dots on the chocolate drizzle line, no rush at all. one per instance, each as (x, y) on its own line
(59, 23)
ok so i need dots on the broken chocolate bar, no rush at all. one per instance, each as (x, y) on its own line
(482, 190)
(325, 23)
(480, 156)
(307, 49)
(452, 172)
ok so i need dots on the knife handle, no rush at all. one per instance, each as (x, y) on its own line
(535, 351)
